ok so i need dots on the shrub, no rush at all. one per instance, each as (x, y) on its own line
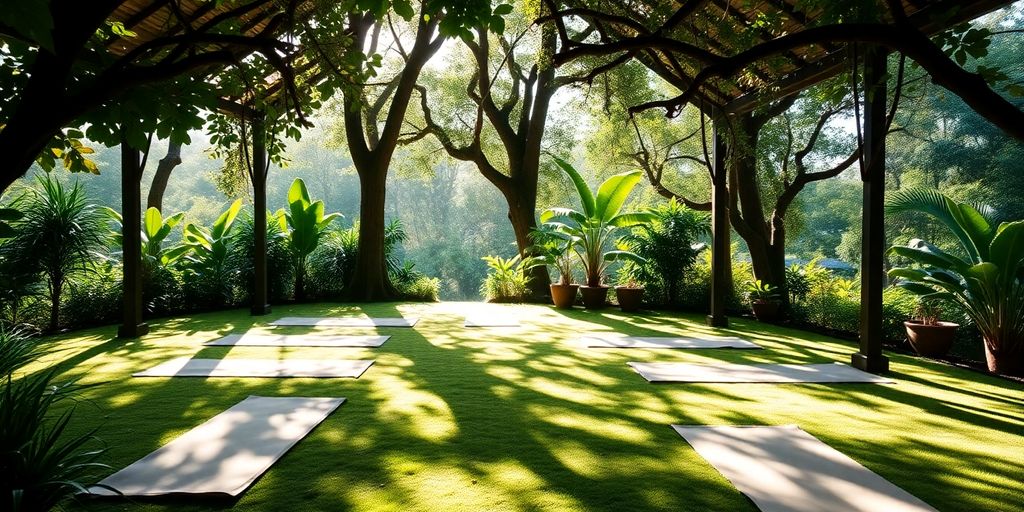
(331, 265)
(94, 298)
(41, 464)
(279, 260)
(210, 275)
(303, 225)
(507, 280)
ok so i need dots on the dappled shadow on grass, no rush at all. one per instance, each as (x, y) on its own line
(521, 418)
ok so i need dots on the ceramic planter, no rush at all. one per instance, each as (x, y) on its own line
(765, 311)
(630, 297)
(594, 297)
(931, 340)
(564, 295)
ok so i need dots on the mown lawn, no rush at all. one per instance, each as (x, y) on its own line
(450, 418)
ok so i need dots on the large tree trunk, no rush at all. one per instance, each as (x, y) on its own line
(522, 207)
(163, 175)
(370, 281)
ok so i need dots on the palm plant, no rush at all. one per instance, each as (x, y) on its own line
(59, 233)
(554, 248)
(40, 463)
(986, 279)
(507, 280)
(304, 222)
(593, 230)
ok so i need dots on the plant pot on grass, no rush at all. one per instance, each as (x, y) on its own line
(594, 297)
(931, 339)
(564, 295)
(630, 297)
(765, 310)
(764, 300)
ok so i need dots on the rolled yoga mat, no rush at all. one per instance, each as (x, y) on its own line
(784, 469)
(227, 453)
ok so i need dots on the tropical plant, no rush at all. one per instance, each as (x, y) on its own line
(208, 257)
(760, 291)
(668, 246)
(304, 222)
(59, 233)
(553, 248)
(507, 280)
(986, 278)
(593, 230)
(279, 257)
(41, 464)
(8, 215)
(155, 230)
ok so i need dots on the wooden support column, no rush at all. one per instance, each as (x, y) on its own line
(872, 268)
(260, 166)
(132, 325)
(721, 260)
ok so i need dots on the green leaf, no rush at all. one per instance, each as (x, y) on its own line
(503, 9)
(613, 194)
(586, 196)
(298, 193)
(1007, 251)
(404, 9)
(153, 221)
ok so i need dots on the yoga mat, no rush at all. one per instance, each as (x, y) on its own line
(603, 341)
(188, 367)
(296, 340)
(784, 469)
(489, 321)
(227, 453)
(769, 373)
(345, 321)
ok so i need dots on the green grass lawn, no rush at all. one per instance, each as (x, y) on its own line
(450, 418)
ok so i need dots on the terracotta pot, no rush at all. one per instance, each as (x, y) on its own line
(1004, 364)
(594, 297)
(931, 340)
(765, 311)
(630, 297)
(564, 295)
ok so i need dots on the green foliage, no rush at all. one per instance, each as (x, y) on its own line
(592, 231)
(552, 248)
(304, 223)
(332, 264)
(95, 297)
(507, 280)
(41, 463)
(414, 285)
(668, 246)
(986, 279)
(60, 233)
(280, 261)
(211, 276)
(759, 291)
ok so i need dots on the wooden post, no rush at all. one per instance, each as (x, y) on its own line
(132, 325)
(872, 270)
(721, 260)
(260, 166)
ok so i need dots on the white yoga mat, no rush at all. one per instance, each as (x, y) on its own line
(607, 341)
(296, 340)
(325, 368)
(226, 454)
(345, 321)
(491, 321)
(769, 373)
(784, 469)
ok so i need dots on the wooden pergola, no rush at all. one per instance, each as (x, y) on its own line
(154, 20)
(715, 26)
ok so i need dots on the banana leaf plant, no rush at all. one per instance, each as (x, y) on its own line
(985, 280)
(155, 230)
(209, 249)
(304, 222)
(593, 231)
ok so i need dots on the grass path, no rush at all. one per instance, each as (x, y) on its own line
(451, 418)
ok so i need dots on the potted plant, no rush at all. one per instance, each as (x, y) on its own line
(764, 300)
(590, 232)
(630, 294)
(552, 248)
(986, 280)
(929, 336)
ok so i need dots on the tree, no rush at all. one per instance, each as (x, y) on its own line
(162, 175)
(371, 140)
(509, 92)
